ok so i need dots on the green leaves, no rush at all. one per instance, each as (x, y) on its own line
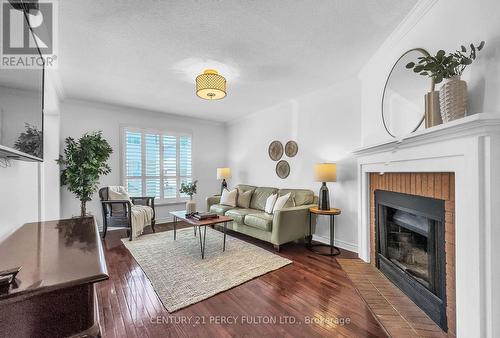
(30, 141)
(444, 66)
(83, 163)
(440, 54)
(188, 188)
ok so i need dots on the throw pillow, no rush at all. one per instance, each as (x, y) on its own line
(291, 201)
(244, 198)
(229, 197)
(117, 192)
(271, 200)
(280, 202)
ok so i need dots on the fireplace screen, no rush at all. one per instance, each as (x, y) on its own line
(410, 248)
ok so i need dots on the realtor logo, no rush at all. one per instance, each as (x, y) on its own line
(28, 29)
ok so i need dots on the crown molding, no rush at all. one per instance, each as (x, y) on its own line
(421, 8)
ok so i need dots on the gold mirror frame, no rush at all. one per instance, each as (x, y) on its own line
(425, 53)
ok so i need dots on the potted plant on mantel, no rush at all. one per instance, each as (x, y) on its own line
(189, 189)
(449, 68)
(84, 162)
(30, 141)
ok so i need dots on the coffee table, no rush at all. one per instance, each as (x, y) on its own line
(181, 215)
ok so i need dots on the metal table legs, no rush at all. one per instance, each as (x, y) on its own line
(334, 251)
(175, 227)
(204, 240)
(202, 245)
(224, 245)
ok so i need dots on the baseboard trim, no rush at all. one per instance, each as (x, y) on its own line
(338, 243)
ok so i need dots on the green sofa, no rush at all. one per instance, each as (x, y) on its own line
(286, 225)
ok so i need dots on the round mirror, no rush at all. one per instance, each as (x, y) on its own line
(403, 101)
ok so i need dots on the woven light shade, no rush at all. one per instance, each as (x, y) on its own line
(210, 85)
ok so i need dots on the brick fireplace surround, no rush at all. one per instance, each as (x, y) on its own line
(458, 162)
(433, 185)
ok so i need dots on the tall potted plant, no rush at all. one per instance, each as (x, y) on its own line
(449, 68)
(83, 163)
(189, 189)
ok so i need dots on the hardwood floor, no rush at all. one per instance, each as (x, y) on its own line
(310, 298)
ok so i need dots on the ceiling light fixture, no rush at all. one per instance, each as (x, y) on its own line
(210, 85)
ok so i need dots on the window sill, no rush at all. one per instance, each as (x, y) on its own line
(166, 203)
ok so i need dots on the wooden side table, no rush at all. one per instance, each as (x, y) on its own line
(331, 213)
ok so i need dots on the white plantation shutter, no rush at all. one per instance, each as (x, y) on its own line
(170, 166)
(133, 163)
(155, 163)
(185, 160)
(152, 165)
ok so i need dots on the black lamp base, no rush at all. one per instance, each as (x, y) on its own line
(223, 186)
(324, 198)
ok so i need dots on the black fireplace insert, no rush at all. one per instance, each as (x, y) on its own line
(411, 248)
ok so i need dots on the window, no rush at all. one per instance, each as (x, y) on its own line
(156, 163)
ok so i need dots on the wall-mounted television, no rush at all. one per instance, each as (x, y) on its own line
(21, 112)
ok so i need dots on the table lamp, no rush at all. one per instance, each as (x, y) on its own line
(325, 172)
(222, 174)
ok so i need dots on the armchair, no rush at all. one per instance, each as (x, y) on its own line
(118, 213)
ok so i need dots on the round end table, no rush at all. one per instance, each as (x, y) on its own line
(334, 251)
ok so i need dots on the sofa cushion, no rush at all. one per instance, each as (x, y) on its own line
(244, 198)
(245, 187)
(260, 196)
(281, 202)
(229, 197)
(300, 196)
(260, 220)
(220, 209)
(271, 200)
(238, 214)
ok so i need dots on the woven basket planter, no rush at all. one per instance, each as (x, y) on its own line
(453, 99)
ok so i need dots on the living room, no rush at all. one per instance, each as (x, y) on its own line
(255, 168)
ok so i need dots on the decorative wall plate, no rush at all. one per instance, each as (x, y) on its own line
(275, 150)
(282, 169)
(291, 148)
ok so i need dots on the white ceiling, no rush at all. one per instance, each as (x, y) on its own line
(146, 53)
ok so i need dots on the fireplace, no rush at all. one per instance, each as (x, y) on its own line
(410, 240)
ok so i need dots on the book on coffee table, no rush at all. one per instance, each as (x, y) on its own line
(204, 215)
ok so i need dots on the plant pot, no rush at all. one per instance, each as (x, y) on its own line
(190, 207)
(453, 99)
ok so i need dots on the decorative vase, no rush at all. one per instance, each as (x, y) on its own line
(432, 111)
(453, 99)
(190, 206)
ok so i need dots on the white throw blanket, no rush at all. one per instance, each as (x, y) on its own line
(141, 217)
(141, 214)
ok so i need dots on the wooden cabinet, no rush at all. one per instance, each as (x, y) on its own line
(53, 295)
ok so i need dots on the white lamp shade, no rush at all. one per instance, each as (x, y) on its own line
(325, 172)
(223, 173)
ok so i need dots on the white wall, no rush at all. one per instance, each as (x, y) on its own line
(434, 25)
(79, 117)
(326, 126)
(29, 191)
(50, 187)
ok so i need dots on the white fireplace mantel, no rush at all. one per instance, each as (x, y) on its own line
(469, 147)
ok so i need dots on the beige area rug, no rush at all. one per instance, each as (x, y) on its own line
(181, 278)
